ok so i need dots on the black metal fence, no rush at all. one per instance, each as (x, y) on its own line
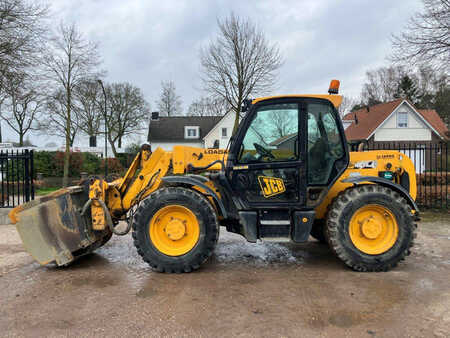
(17, 185)
(432, 164)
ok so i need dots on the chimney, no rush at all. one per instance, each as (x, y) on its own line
(155, 116)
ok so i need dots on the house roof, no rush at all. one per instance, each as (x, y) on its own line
(282, 139)
(369, 121)
(435, 120)
(217, 123)
(171, 129)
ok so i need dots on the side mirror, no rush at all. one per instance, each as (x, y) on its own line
(246, 104)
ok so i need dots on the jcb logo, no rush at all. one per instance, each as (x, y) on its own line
(271, 186)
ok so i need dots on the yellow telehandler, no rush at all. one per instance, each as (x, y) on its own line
(287, 174)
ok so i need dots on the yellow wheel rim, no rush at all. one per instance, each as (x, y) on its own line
(174, 230)
(373, 229)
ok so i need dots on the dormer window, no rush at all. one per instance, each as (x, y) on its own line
(402, 120)
(191, 132)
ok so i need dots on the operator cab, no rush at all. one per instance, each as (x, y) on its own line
(287, 153)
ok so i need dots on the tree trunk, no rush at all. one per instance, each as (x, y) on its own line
(119, 143)
(113, 146)
(21, 140)
(236, 123)
(65, 182)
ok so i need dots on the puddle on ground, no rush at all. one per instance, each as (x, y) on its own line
(95, 281)
(343, 319)
(146, 293)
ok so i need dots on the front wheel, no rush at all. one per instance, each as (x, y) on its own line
(175, 230)
(370, 228)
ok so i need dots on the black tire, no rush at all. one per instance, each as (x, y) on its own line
(338, 219)
(206, 217)
(318, 230)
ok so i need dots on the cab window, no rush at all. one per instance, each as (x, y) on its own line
(324, 143)
(272, 135)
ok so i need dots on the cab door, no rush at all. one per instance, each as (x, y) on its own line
(269, 166)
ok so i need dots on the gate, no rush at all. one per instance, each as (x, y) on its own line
(16, 174)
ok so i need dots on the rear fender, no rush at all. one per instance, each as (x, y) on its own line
(386, 183)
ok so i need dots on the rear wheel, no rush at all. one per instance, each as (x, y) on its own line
(370, 228)
(175, 230)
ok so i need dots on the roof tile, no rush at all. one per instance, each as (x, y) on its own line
(435, 120)
(172, 128)
(368, 121)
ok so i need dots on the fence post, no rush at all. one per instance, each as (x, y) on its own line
(446, 175)
(3, 178)
(7, 176)
(17, 177)
(32, 173)
(27, 175)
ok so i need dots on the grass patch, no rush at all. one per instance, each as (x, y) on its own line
(45, 191)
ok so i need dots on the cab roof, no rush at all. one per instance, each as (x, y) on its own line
(336, 100)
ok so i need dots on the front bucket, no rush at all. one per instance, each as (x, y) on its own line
(52, 228)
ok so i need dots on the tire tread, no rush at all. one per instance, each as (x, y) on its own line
(336, 208)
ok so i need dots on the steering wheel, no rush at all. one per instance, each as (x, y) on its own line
(263, 151)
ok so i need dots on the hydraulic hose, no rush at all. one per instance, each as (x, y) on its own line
(194, 168)
(109, 221)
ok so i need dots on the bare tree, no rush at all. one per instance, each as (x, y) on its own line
(282, 124)
(239, 63)
(22, 30)
(22, 102)
(347, 104)
(55, 121)
(129, 112)
(169, 102)
(88, 97)
(70, 60)
(426, 38)
(425, 87)
(208, 106)
(381, 84)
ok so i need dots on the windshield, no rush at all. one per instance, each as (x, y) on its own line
(272, 135)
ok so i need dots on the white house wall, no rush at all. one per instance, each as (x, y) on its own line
(169, 145)
(416, 130)
(216, 133)
(346, 124)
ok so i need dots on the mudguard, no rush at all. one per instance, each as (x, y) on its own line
(384, 182)
(197, 180)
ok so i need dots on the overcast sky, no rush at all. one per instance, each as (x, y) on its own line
(145, 41)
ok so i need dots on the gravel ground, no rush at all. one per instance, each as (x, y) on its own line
(264, 289)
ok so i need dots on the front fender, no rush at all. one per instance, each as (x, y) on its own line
(197, 180)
